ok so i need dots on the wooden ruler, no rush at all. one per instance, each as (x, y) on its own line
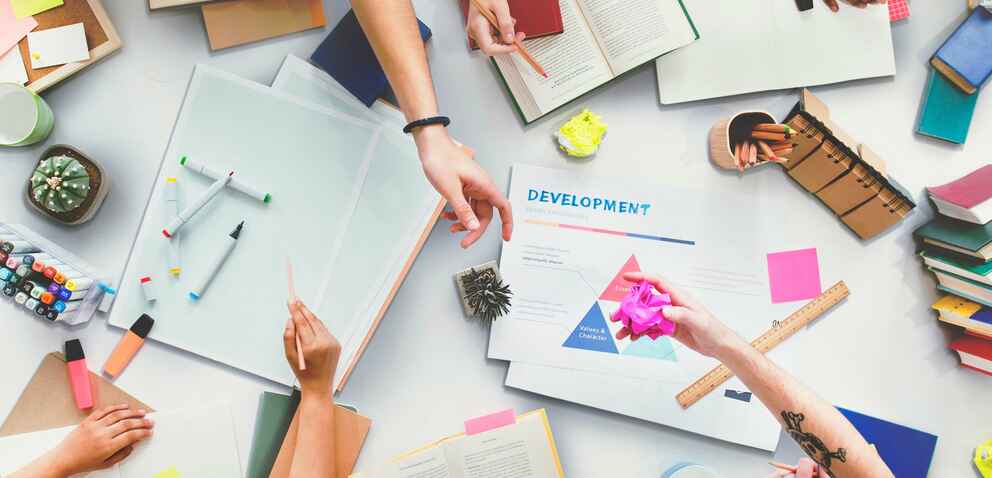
(767, 341)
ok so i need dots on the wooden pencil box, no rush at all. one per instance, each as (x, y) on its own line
(849, 178)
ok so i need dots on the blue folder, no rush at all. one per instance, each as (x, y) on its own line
(348, 57)
(906, 451)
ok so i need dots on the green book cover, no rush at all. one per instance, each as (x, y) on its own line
(275, 413)
(946, 111)
(957, 233)
(982, 269)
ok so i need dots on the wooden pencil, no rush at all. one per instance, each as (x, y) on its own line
(293, 299)
(520, 46)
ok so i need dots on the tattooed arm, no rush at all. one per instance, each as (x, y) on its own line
(822, 432)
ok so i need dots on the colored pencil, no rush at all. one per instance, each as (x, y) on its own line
(301, 363)
(774, 128)
(763, 135)
(520, 46)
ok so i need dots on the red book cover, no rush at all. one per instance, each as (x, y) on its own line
(969, 191)
(536, 18)
(974, 346)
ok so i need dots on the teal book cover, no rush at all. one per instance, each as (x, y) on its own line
(946, 111)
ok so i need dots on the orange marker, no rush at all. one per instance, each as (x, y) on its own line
(129, 345)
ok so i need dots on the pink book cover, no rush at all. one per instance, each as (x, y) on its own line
(969, 191)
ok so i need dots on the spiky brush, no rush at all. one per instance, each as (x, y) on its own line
(486, 294)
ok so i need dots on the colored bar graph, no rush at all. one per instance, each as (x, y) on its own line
(610, 232)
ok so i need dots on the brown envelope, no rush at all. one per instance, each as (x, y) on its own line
(47, 400)
(237, 22)
(850, 190)
(878, 214)
(826, 164)
(808, 140)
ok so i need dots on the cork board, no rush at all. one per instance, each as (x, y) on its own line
(101, 38)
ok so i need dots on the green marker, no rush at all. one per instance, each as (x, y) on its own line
(236, 184)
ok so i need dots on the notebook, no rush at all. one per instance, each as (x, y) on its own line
(197, 442)
(766, 45)
(275, 413)
(955, 264)
(966, 198)
(964, 57)
(907, 451)
(975, 353)
(602, 40)
(352, 244)
(946, 111)
(962, 237)
(237, 22)
(348, 57)
(536, 18)
(47, 400)
(525, 449)
(964, 313)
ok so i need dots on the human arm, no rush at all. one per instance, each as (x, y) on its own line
(391, 27)
(820, 430)
(284, 460)
(102, 440)
(312, 454)
(835, 7)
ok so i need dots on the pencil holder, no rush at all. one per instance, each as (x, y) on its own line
(67, 186)
(734, 130)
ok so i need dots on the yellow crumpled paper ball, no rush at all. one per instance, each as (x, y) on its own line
(983, 459)
(580, 136)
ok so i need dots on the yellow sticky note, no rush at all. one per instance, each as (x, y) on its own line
(170, 472)
(26, 8)
(983, 459)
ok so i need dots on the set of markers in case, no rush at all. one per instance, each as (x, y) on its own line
(45, 280)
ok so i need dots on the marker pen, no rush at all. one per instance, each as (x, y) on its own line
(6, 274)
(65, 294)
(47, 298)
(27, 260)
(79, 375)
(59, 306)
(51, 314)
(23, 270)
(37, 291)
(10, 290)
(192, 209)
(54, 288)
(6, 247)
(129, 345)
(26, 286)
(109, 294)
(31, 303)
(38, 266)
(12, 263)
(174, 265)
(41, 310)
(21, 298)
(232, 241)
(79, 284)
(235, 184)
(148, 288)
(23, 247)
(59, 278)
(49, 272)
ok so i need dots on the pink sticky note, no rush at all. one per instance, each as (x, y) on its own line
(12, 29)
(490, 422)
(794, 275)
(898, 10)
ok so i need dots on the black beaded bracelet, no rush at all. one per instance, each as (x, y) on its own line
(441, 120)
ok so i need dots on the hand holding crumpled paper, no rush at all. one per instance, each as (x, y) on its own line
(640, 313)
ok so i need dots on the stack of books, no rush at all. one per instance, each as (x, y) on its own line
(957, 248)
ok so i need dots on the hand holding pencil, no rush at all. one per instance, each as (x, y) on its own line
(320, 348)
(499, 29)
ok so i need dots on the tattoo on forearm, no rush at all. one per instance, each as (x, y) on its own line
(810, 443)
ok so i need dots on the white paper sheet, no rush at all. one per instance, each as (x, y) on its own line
(58, 46)
(12, 67)
(198, 442)
(764, 45)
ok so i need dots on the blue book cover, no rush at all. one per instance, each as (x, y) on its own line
(966, 54)
(348, 57)
(906, 451)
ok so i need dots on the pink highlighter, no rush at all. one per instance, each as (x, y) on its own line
(79, 374)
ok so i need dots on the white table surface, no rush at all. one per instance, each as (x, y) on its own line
(882, 352)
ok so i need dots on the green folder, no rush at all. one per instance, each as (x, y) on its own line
(275, 413)
(946, 111)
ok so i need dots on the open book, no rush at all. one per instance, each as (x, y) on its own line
(603, 39)
(525, 449)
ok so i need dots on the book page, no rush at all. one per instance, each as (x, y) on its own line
(427, 463)
(517, 451)
(572, 60)
(633, 32)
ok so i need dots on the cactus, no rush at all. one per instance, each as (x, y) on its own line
(60, 184)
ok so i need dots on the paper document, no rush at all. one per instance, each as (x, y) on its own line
(764, 45)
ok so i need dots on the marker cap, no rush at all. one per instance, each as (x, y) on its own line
(143, 326)
(73, 350)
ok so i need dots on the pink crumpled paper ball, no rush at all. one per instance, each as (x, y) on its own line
(640, 313)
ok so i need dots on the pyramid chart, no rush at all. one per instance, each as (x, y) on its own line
(596, 333)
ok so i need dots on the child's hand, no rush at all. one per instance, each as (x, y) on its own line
(321, 349)
(102, 440)
(834, 7)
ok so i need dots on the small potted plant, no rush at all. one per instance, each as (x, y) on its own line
(67, 186)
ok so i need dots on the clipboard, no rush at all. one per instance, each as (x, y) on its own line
(47, 402)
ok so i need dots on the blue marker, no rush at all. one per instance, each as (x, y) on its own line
(63, 294)
(6, 274)
(58, 306)
(54, 288)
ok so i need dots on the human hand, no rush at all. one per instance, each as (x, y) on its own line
(805, 469)
(491, 41)
(835, 7)
(321, 349)
(695, 326)
(102, 440)
(467, 187)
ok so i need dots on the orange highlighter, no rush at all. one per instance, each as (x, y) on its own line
(129, 345)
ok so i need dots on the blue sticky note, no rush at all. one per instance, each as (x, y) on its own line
(348, 57)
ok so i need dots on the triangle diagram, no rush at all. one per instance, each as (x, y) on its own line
(592, 333)
(660, 349)
(619, 288)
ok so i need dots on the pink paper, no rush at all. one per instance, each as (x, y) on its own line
(490, 422)
(898, 10)
(641, 313)
(12, 29)
(794, 275)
